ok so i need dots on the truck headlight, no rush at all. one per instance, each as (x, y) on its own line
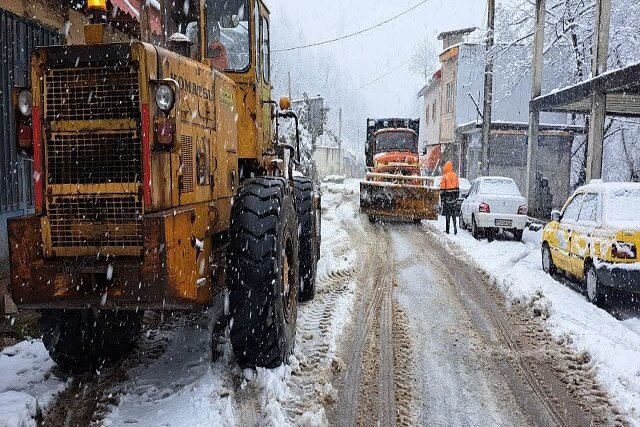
(165, 97)
(25, 102)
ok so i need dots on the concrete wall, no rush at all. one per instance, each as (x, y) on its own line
(327, 161)
(508, 157)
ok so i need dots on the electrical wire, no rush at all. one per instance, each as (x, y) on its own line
(364, 30)
(377, 79)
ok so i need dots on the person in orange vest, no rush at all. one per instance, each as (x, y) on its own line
(449, 192)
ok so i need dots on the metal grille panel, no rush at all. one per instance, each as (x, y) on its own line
(92, 93)
(94, 158)
(95, 221)
(18, 37)
(187, 183)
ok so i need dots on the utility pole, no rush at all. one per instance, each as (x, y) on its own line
(289, 85)
(488, 87)
(340, 139)
(534, 115)
(598, 99)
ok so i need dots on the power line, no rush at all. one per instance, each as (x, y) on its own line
(364, 30)
(384, 75)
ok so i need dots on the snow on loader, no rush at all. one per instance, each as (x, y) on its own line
(161, 182)
(393, 186)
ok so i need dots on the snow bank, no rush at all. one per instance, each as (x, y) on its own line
(614, 345)
(27, 384)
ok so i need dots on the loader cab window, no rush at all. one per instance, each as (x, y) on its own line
(182, 19)
(228, 41)
(396, 141)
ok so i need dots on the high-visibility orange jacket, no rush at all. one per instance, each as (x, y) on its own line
(449, 178)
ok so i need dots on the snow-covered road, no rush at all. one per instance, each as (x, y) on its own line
(433, 342)
(409, 327)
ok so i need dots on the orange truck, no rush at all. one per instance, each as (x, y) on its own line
(393, 186)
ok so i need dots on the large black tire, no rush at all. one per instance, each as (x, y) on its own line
(262, 274)
(84, 340)
(308, 218)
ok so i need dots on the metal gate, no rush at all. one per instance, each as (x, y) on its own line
(18, 37)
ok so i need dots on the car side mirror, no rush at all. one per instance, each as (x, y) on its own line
(556, 216)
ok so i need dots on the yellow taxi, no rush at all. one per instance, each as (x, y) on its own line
(596, 237)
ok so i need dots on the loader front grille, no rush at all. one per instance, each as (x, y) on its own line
(92, 93)
(94, 157)
(97, 221)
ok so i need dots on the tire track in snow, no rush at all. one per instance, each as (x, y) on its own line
(540, 362)
(386, 377)
(403, 367)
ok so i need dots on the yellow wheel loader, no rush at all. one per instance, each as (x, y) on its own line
(160, 183)
(393, 186)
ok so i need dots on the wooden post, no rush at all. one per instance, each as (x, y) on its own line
(488, 89)
(534, 114)
(598, 100)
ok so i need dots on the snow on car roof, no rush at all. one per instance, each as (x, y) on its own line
(482, 178)
(608, 187)
(620, 205)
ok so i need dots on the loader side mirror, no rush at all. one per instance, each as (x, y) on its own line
(556, 215)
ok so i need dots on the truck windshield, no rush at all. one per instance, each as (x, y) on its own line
(396, 141)
(228, 34)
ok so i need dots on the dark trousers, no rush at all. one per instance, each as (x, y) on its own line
(449, 199)
(455, 225)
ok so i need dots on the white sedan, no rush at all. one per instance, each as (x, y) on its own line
(494, 203)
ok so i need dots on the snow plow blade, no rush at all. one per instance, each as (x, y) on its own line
(398, 200)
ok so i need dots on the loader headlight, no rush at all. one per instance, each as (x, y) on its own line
(25, 101)
(165, 97)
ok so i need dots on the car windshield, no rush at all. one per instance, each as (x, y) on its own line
(228, 34)
(622, 207)
(396, 141)
(500, 186)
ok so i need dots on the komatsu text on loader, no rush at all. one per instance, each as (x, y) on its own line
(160, 183)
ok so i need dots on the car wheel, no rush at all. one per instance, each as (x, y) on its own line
(517, 235)
(476, 231)
(547, 261)
(595, 290)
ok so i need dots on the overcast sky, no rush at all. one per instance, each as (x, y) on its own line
(363, 58)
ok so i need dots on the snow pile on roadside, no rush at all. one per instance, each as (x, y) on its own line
(27, 384)
(613, 345)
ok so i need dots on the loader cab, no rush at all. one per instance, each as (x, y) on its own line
(232, 37)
